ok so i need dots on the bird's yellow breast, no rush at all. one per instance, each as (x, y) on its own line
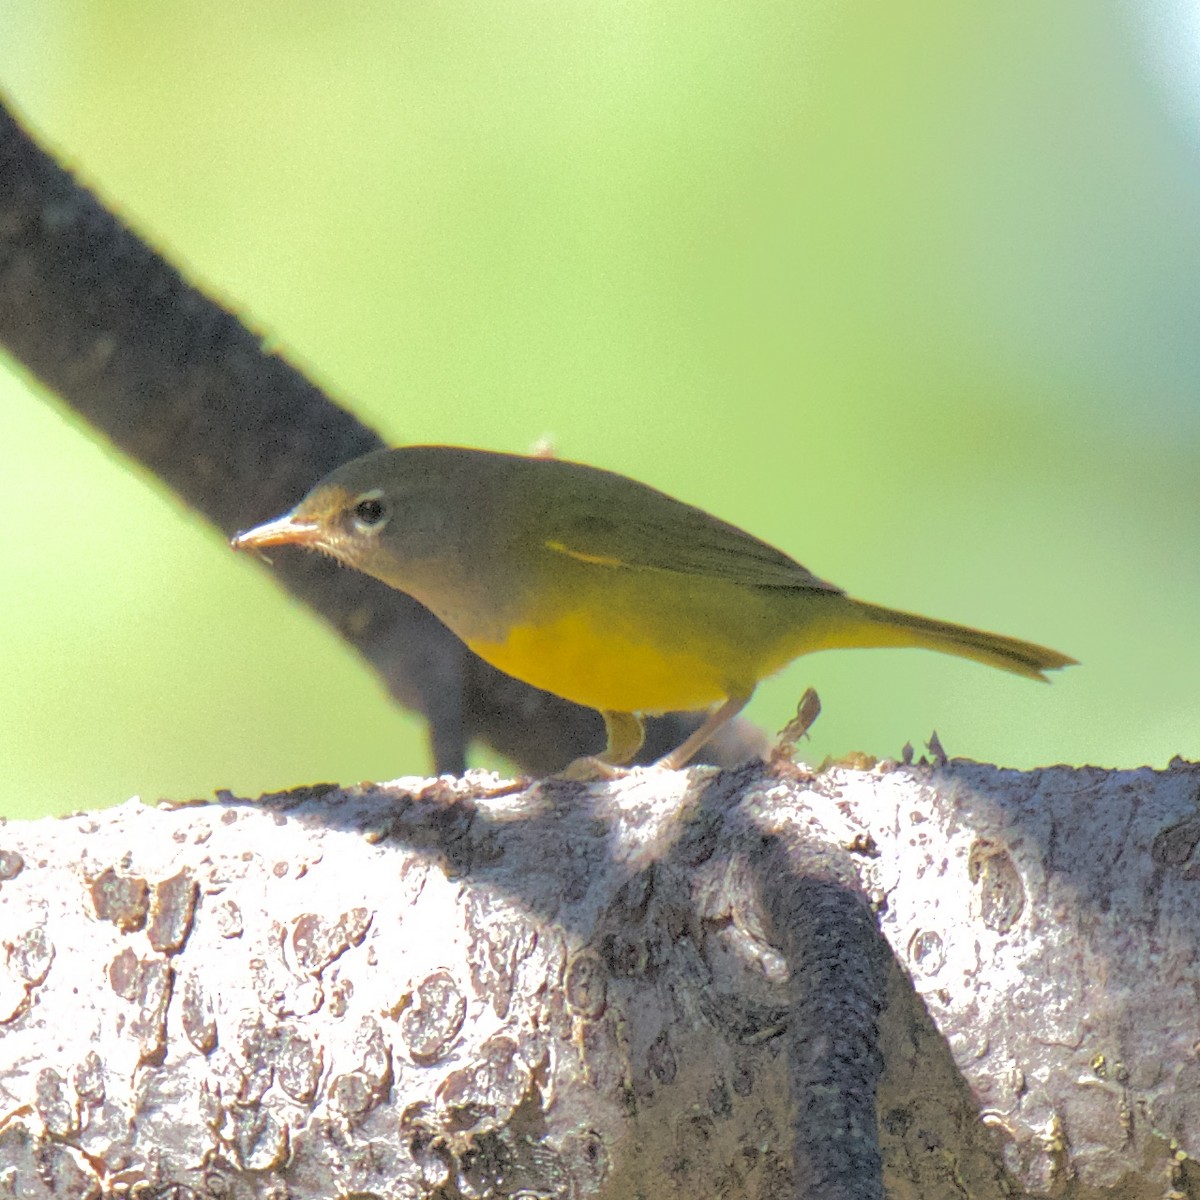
(606, 664)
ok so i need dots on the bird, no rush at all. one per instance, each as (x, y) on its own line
(600, 589)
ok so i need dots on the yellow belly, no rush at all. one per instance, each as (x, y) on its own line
(602, 666)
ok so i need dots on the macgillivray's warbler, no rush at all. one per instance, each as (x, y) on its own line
(598, 588)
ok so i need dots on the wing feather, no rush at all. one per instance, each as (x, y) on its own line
(618, 523)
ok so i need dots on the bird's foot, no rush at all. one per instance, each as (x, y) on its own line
(591, 769)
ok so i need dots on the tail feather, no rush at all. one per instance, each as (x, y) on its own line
(878, 626)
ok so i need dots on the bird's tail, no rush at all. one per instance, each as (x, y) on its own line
(861, 624)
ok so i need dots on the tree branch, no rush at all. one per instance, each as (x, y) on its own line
(182, 386)
(442, 988)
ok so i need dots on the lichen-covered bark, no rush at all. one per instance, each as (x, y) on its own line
(443, 988)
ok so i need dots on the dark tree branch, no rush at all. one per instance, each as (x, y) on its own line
(837, 967)
(181, 385)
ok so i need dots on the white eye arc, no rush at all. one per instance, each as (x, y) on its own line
(370, 512)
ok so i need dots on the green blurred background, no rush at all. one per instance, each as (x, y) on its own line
(912, 291)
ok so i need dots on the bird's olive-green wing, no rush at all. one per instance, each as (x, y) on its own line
(616, 522)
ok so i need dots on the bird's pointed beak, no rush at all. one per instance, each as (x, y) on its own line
(288, 530)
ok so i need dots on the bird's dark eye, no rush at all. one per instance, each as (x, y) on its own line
(371, 512)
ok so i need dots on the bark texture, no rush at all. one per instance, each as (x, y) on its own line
(662, 986)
